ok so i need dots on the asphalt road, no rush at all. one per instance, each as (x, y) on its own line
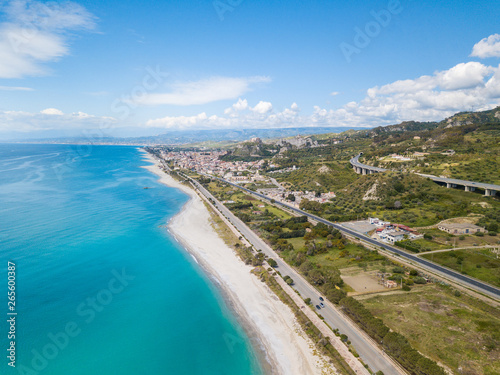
(355, 162)
(368, 351)
(472, 283)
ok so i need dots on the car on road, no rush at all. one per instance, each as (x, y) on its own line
(321, 304)
(321, 299)
(317, 306)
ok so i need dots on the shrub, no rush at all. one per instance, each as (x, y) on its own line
(397, 270)
(272, 263)
(335, 295)
(419, 280)
(406, 288)
(307, 301)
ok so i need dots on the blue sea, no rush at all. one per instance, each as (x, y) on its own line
(101, 286)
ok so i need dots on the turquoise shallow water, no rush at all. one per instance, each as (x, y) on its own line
(101, 288)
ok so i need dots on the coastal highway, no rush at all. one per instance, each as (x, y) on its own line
(364, 345)
(457, 277)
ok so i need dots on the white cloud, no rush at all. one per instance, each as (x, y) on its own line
(487, 47)
(426, 98)
(464, 76)
(14, 88)
(262, 107)
(51, 119)
(33, 34)
(334, 93)
(52, 111)
(202, 92)
(239, 115)
(240, 105)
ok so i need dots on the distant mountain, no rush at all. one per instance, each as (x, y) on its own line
(237, 135)
(179, 137)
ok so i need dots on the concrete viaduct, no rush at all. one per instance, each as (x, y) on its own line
(489, 189)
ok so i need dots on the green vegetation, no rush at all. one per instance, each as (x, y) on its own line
(319, 252)
(436, 321)
(441, 324)
(482, 264)
(323, 176)
(402, 198)
(394, 344)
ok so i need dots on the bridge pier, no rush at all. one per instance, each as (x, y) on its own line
(470, 188)
(363, 171)
(489, 192)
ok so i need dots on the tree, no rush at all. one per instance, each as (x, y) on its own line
(335, 295)
(317, 277)
(493, 227)
(291, 197)
(307, 301)
(272, 263)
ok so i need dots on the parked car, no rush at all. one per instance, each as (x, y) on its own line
(321, 299)
(321, 304)
(317, 306)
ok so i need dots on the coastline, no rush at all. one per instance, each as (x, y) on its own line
(282, 344)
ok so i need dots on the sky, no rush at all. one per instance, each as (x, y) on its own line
(129, 68)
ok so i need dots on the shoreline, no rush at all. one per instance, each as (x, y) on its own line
(278, 340)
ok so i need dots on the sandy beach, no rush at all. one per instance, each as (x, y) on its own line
(287, 348)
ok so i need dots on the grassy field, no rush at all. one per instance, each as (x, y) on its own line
(459, 332)
(448, 241)
(479, 263)
(431, 245)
